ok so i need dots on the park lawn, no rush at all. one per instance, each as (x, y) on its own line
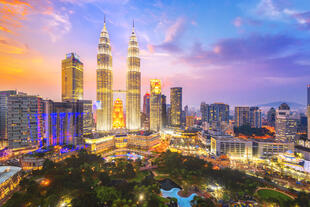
(268, 195)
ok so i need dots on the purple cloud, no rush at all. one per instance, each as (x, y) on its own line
(172, 36)
(253, 48)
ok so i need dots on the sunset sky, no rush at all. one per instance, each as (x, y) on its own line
(233, 51)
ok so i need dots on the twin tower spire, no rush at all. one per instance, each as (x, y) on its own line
(105, 83)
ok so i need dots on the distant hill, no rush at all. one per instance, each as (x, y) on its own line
(276, 104)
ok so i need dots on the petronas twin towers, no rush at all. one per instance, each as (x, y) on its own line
(105, 83)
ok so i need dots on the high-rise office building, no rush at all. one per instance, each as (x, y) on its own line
(168, 107)
(67, 122)
(271, 117)
(155, 105)
(286, 125)
(190, 121)
(4, 113)
(219, 112)
(145, 115)
(255, 117)
(186, 111)
(24, 119)
(204, 110)
(249, 116)
(104, 82)
(133, 95)
(87, 116)
(146, 104)
(242, 116)
(308, 109)
(176, 106)
(163, 111)
(72, 78)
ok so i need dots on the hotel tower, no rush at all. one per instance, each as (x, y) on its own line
(104, 82)
(133, 84)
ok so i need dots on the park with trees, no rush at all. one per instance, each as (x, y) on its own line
(88, 180)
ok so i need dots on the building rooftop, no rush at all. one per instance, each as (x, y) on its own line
(302, 148)
(229, 138)
(269, 140)
(7, 171)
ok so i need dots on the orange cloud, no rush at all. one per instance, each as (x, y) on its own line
(5, 29)
(11, 47)
(150, 48)
(11, 14)
(15, 2)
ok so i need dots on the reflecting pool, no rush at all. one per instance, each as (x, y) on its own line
(182, 201)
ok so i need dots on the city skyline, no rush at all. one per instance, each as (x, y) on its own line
(175, 46)
(173, 103)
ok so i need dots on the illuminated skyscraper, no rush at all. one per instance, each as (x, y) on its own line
(308, 109)
(146, 112)
(72, 78)
(104, 82)
(250, 116)
(176, 105)
(118, 114)
(163, 111)
(271, 117)
(24, 121)
(242, 116)
(4, 113)
(218, 112)
(146, 104)
(286, 125)
(204, 110)
(255, 117)
(133, 95)
(155, 105)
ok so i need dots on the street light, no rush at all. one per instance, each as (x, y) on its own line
(141, 197)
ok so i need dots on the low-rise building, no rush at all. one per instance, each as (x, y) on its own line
(231, 146)
(305, 151)
(143, 142)
(110, 144)
(32, 163)
(35, 160)
(9, 179)
(265, 148)
(100, 145)
(185, 142)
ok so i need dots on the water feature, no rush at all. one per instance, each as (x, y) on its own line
(173, 193)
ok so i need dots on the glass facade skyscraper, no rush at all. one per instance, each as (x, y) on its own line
(219, 112)
(176, 105)
(72, 78)
(133, 84)
(308, 109)
(204, 110)
(4, 113)
(286, 125)
(25, 123)
(104, 82)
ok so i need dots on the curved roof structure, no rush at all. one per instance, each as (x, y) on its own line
(8, 171)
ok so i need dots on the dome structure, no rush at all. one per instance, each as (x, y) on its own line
(284, 106)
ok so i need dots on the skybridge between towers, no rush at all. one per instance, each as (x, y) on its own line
(119, 91)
